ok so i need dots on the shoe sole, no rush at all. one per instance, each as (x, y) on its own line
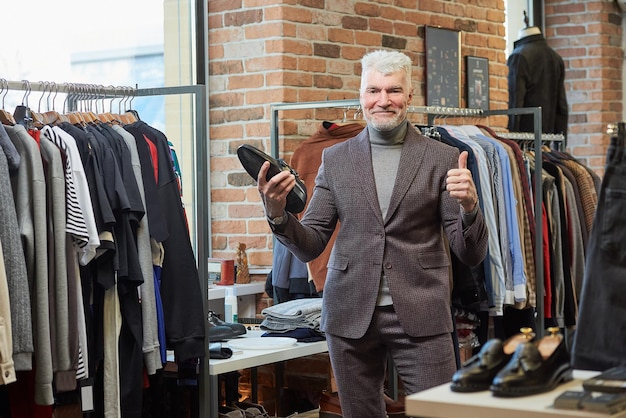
(223, 336)
(563, 376)
(468, 389)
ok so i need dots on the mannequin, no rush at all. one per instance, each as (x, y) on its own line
(537, 79)
(528, 31)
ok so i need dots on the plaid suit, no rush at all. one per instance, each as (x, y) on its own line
(408, 246)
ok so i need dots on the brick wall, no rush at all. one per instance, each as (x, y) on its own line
(263, 52)
(588, 35)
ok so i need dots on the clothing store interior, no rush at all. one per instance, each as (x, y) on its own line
(314, 209)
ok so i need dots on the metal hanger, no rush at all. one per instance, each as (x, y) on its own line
(6, 118)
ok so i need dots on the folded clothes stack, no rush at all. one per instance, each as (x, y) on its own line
(300, 317)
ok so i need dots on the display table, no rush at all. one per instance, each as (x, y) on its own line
(441, 402)
(244, 359)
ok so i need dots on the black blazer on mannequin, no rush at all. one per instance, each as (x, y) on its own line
(536, 79)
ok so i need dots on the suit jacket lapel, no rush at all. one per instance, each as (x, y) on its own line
(411, 159)
(361, 163)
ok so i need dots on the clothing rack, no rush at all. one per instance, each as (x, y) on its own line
(438, 111)
(202, 179)
(530, 136)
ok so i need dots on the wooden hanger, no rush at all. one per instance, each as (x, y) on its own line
(128, 116)
(76, 118)
(90, 117)
(51, 116)
(6, 118)
(131, 116)
(39, 120)
(107, 117)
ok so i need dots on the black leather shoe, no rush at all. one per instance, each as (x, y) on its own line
(238, 329)
(220, 332)
(218, 351)
(534, 368)
(252, 159)
(478, 371)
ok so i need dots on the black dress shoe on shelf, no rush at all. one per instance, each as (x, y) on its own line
(252, 159)
(478, 371)
(535, 368)
(220, 333)
(236, 328)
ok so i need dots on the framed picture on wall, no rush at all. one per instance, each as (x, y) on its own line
(443, 62)
(477, 72)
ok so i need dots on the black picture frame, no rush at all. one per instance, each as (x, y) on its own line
(477, 87)
(443, 63)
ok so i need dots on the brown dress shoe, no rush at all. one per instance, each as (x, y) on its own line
(329, 405)
(395, 409)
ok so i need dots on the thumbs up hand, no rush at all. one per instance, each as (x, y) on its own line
(460, 184)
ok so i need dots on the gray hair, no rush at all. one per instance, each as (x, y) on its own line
(386, 62)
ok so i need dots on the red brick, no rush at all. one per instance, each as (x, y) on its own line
(367, 9)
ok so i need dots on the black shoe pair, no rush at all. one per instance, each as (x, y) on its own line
(517, 367)
(252, 159)
(220, 330)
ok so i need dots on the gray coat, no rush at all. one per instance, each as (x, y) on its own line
(29, 192)
(408, 246)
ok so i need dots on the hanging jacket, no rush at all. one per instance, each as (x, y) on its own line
(536, 79)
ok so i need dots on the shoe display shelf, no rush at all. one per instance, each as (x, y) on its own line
(246, 298)
(441, 402)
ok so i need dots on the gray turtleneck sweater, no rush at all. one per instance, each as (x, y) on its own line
(386, 150)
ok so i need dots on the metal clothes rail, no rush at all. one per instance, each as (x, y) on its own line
(436, 111)
(202, 178)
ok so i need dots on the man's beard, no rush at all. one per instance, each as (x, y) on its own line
(387, 124)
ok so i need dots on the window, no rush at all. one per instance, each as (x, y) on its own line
(118, 43)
